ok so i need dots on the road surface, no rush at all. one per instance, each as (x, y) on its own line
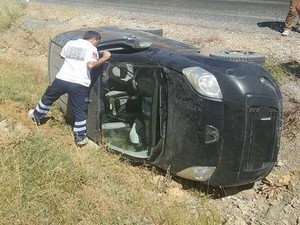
(228, 14)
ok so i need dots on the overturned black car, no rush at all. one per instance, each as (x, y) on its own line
(209, 119)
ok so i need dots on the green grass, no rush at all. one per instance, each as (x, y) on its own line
(279, 71)
(44, 181)
(21, 81)
(37, 173)
(10, 10)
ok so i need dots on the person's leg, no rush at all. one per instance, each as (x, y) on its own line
(78, 96)
(52, 93)
(290, 18)
(298, 11)
(298, 7)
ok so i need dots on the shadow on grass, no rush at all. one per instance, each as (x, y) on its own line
(292, 67)
(46, 119)
(210, 191)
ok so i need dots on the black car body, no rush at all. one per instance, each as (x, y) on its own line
(162, 101)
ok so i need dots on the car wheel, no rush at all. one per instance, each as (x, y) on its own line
(149, 29)
(232, 55)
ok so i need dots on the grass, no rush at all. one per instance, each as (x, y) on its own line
(36, 177)
(279, 71)
(47, 181)
(20, 81)
(10, 10)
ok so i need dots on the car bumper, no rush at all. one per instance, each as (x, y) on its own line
(221, 177)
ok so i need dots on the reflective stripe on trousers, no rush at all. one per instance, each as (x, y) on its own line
(78, 98)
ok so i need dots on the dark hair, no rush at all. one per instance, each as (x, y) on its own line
(91, 34)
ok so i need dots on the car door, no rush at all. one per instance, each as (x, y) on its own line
(124, 110)
(94, 106)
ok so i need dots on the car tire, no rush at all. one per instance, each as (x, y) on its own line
(149, 29)
(233, 55)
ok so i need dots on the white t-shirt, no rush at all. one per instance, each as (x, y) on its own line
(77, 54)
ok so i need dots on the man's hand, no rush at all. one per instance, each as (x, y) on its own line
(105, 56)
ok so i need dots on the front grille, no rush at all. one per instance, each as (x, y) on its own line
(260, 143)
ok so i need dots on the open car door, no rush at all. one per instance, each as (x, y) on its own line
(124, 108)
(95, 106)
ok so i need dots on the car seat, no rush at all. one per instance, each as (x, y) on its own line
(144, 84)
(121, 100)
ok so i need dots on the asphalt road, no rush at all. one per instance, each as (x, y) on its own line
(229, 14)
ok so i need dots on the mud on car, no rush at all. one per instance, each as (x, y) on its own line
(213, 118)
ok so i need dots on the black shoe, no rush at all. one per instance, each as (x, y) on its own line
(34, 117)
(81, 143)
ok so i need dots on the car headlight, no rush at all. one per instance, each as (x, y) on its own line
(203, 82)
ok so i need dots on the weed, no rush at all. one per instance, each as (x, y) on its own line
(10, 10)
(20, 81)
(279, 71)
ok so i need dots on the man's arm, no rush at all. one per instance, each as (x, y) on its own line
(92, 64)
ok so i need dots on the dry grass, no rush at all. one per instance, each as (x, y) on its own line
(10, 11)
(48, 181)
(20, 81)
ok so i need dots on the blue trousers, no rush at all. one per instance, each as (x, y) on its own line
(78, 97)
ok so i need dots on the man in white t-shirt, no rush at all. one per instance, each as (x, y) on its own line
(80, 57)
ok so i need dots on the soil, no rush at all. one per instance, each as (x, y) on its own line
(274, 200)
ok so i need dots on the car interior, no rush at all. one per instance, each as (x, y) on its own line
(130, 100)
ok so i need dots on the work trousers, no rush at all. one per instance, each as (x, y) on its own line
(78, 97)
(292, 15)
